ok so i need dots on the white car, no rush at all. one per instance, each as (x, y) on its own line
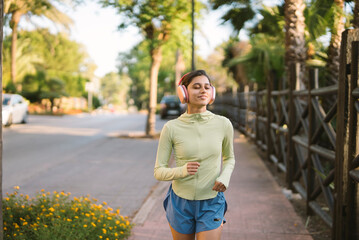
(14, 109)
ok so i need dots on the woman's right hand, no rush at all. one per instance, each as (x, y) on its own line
(192, 167)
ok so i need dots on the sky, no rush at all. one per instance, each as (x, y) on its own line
(96, 29)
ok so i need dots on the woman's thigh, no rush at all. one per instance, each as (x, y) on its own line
(180, 236)
(214, 234)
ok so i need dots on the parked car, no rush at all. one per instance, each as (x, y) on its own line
(14, 109)
(170, 105)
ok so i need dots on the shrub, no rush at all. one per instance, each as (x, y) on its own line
(56, 216)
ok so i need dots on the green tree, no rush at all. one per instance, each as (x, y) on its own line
(114, 89)
(157, 20)
(15, 9)
(265, 59)
(239, 12)
(54, 88)
(53, 54)
(135, 64)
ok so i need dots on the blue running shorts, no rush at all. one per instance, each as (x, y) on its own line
(193, 216)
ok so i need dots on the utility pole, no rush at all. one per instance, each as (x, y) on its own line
(1, 141)
(193, 7)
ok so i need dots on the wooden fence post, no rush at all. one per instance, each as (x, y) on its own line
(291, 124)
(269, 118)
(353, 149)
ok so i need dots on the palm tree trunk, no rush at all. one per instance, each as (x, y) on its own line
(14, 22)
(356, 15)
(1, 142)
(156, 56)
(334, 46)
(294, 38)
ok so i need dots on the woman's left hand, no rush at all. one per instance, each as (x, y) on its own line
(219, 187)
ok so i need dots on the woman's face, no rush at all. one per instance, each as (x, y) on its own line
(199, 91)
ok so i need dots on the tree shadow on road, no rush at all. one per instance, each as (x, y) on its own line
(138, 135)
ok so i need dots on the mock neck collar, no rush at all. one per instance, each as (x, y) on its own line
(196, 117)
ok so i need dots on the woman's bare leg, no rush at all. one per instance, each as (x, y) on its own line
(214, 234)
(180, 236)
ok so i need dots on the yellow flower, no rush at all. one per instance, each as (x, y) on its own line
(7, 199)
(94, 225)
(51, 209)
(104, 203)
(104, 231)
(100, 236)
(42, 190)
(85, 226)
(16, 187)
(69, 220)
(5, 228)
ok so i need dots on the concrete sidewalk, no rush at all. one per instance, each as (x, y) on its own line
(257, 209)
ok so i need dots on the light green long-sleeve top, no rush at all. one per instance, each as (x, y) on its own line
(201, 137)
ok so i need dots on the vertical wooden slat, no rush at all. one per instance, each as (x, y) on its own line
(311, 128)
(257, 117)
(338, 232)
(352, 199)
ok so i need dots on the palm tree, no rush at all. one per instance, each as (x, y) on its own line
(265, 59)
(295, 51)
(356, 15)
(15, 9)
(239, 13)
(158, 21)
(335, 41)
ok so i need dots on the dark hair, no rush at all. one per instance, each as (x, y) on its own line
(188, 77)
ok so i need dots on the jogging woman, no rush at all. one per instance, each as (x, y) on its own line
(203, 149)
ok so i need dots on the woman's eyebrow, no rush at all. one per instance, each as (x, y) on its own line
(201, 84)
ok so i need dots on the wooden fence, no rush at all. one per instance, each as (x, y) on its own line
(311, 135)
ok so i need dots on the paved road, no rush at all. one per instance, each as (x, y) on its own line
(79, 154)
